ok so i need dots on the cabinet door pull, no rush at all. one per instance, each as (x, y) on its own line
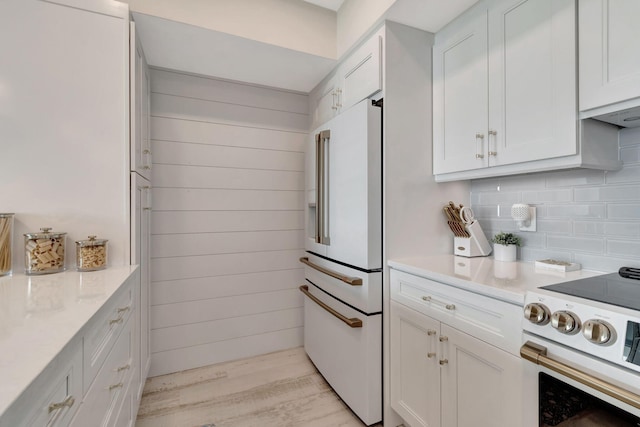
(443, 362)
(68, 402)
(123, 368)
(435, 301)
(124, 309)
(431, 332)
(114, 321)
(493, 133)
(480, 140)
(115, 386)
(431, 354)
(443, 338)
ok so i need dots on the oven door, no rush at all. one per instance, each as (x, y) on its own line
(564, 387)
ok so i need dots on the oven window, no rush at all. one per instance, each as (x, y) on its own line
(563, 405)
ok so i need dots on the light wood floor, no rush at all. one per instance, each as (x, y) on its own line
(280, 389)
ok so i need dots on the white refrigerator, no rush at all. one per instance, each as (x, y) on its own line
(343, 259)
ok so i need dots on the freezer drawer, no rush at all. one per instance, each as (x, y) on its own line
(354, 287)
(347, 352)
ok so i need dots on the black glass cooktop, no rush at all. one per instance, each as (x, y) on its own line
(609, 288)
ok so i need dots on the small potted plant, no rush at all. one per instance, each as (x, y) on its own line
(505, 246)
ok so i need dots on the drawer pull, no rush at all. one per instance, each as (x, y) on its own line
(68, 402)
(123, 368)
(115, 386)
(114, 321)
(431, 332)
(443, 338)
(353, 281)
(443, 362)
(124, 309)
(430, 355)
(353, 322)
(435, 301)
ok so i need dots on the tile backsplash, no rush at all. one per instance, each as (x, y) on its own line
(586, 216)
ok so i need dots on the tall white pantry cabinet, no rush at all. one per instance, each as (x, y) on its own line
(66, 113)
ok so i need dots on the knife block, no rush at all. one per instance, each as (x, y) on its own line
(474, 245)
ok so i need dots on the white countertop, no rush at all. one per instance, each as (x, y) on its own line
(40, 315)
(506, 281)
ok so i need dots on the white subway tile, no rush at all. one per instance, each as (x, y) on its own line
(530, 197)
(624, 248)
(623, 211)
(606, 264)
(608, 193)
(629, 173)
(532, 240)
(522, 182)
(574, 177)
(630, 155)
(487, 198)
(576, 211)
(577, 244)
(533, 254)
(489, 184)
(626, 229)
(554, 226)
(589, 227)
(629, 136)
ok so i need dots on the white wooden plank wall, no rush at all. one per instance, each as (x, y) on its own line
(227, 220)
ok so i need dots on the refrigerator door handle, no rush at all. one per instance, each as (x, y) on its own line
(322, 190)
(352, 322)
(353, 281)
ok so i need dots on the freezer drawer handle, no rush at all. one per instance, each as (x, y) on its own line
(353, 322)
(353, 281)
(538, 354)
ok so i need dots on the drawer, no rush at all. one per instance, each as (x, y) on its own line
(104, 330)
(104, 398)
(366, 297)
(488, 319)
(349, 358)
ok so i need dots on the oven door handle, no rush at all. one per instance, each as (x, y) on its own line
(538, 354)
(353, 322)
(353, 281)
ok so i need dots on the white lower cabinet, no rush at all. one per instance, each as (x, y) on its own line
(444, 376)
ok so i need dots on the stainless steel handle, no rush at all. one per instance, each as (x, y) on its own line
(321, 187)
(538, 354)
(435, 301)
(353, 281)
(494, 134)
(479, 152)
(68, 402)
(352, 322)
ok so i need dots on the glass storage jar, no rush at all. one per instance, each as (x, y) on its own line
(6, 240)
(44, 252)
(91, 254)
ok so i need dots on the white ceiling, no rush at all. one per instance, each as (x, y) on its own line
(183, 47)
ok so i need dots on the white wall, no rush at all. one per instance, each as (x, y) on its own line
(227, 220)
(291, 24)
(355, 18)
(64, 133)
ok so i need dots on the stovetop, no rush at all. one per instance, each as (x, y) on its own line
(609, 289)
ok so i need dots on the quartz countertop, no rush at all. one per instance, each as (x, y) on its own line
(40, 315)
(506, 281)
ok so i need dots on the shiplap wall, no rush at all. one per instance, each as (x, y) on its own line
(227, 220)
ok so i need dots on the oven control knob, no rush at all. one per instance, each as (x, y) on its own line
(598, 332)
(536, 313)
(565, 322)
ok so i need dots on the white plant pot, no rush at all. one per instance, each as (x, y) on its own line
(505, 252)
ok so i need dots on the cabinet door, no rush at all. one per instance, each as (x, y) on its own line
(139, 88)
(140, 254)
(609, 58)
(361, 73)
(460, 94)
(326, 105)
(481, 384)
(415, 372)
(532, 80)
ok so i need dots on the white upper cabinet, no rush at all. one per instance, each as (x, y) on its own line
(609, 56)
(358, 76)
(505, 98)
(140, 108)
